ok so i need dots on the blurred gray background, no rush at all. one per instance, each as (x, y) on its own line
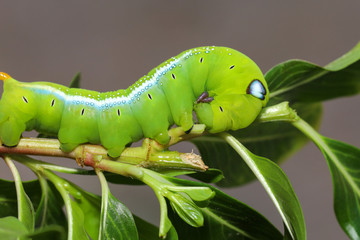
(114, 43)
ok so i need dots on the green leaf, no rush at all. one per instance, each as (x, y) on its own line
(50, 210)
(75, 216)
(118, 179)
(75, 83)
(90, 205)
(81, 204)
(224, 218)
(51, 214)
(273, 140)
(195, 193)
(186, 209)
(287, 235)
(8, 201)
(117, 221)
(277, 185)
(11, 228)
(25, 208)
(52, 232)
(147, 231)
(211, 175)
(8, 198)
(50, 207)
(344, 163)
(76, 228)
(300, 81)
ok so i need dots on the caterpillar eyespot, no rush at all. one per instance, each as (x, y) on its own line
(116, 119)
(257, 89)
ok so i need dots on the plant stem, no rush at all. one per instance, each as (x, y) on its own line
(104, 201)
(278, 112)
(149, 155)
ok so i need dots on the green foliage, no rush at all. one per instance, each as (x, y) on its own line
(12, 228)
(73, 201)
(150, 232)
(8, 203)
(224, 218)
(300, 81)
(75, 82)
(343, 161)
(277, 185)
(116, 220)
(49, 211)
(195, 209)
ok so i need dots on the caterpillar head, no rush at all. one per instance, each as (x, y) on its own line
(233, 111)
(17, 96)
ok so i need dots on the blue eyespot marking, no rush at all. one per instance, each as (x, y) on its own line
(257, 89)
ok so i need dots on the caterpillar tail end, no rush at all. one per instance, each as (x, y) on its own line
(4, 76)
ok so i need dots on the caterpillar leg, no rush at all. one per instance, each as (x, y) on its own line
(68, 147)
(188, 131)
(115, 144)
(115, 152)
(10, 132)
(186, 121)
(162, 138)
(70, 139)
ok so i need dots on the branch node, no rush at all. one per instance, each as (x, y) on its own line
(193, 159)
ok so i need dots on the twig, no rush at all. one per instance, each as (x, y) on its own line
(150, 155)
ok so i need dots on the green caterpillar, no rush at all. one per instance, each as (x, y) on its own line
(225, 88)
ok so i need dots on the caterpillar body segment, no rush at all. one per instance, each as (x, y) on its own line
(225, 88)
